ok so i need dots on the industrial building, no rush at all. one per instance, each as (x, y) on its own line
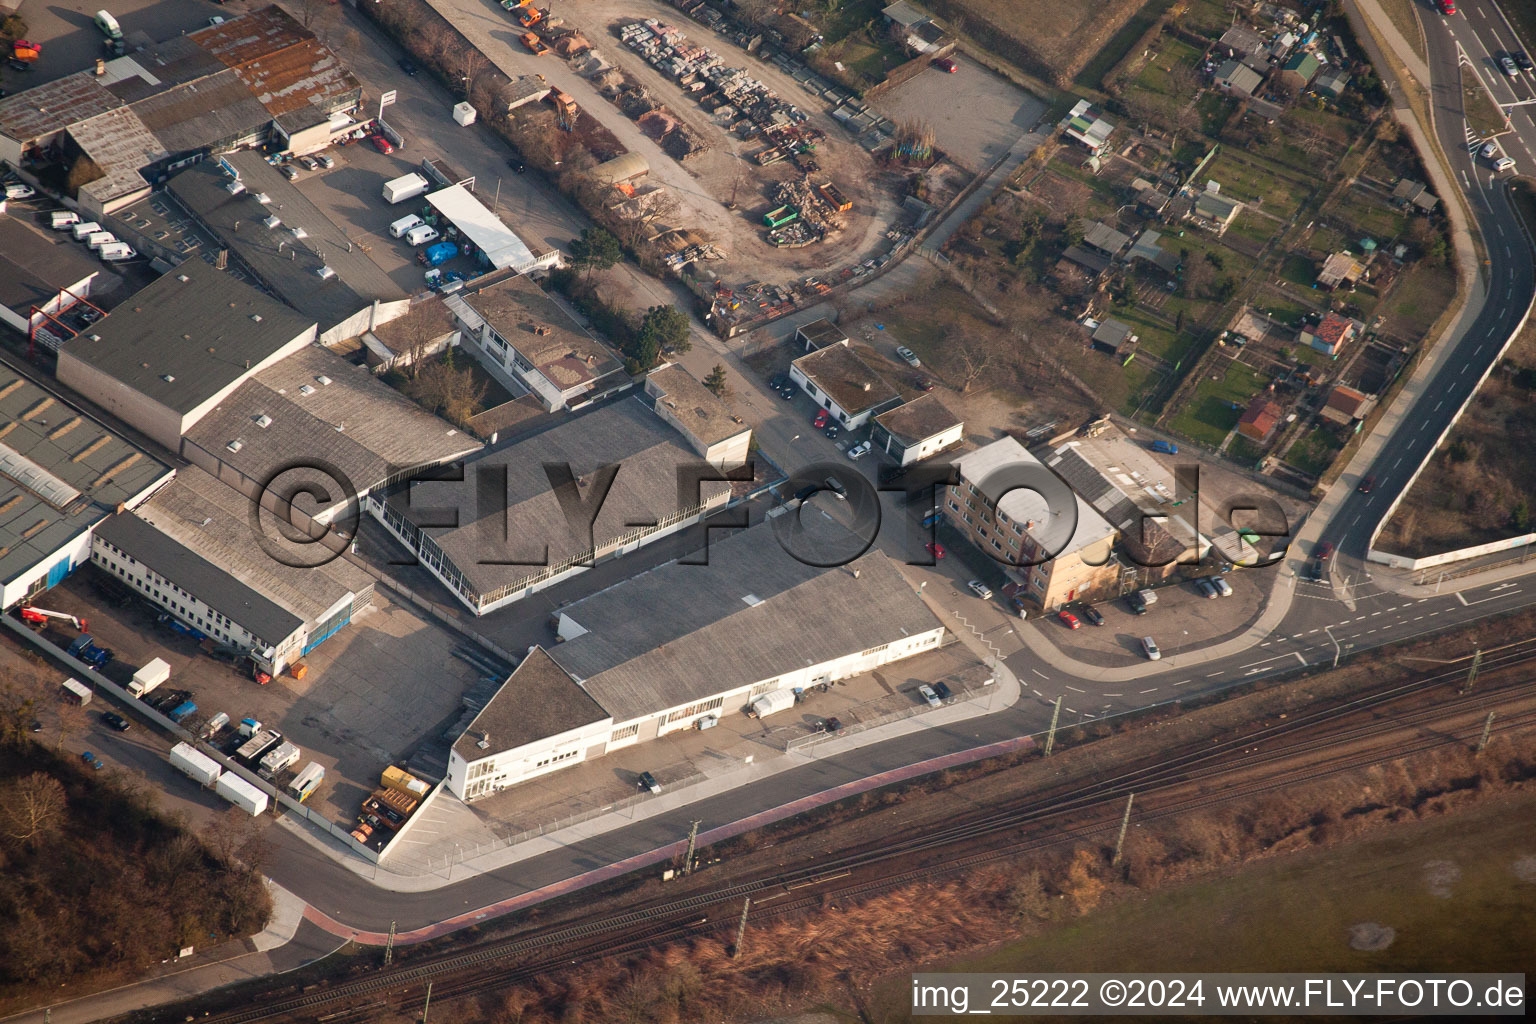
(61, 474)
(190, 550)
(513, 530)
(173, 103)
(487, 234)
(753, 620)
(837, 379)
(529, 343)
(721, 437)
(916, 430)
(42, 274)
(164, 358)
(1017, 526)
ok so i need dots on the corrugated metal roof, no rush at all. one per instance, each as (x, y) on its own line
(282, 62)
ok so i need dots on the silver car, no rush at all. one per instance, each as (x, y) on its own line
(926, 692)
(908, 356)
(980, 589)
(1149, 648)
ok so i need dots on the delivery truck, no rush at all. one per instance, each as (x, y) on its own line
(242, 794)
(407, 186)
(405, 782)
(771, 703)
(277, 759)
(195, 764)
(307, 780)
(77, 691)
(150, 676)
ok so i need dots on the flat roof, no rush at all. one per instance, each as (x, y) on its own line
(212, 520)
(286, 264)
(518, 309)
(41, 111)
(1051, 531)
(919, 419)
(501, 244)
(1126, 486)
(753, 612)
(847, 379)
(266, 619)
(822, 333)
(537, 701)
(61, 473)
(218, 107)
(355, 422)
(281, 62)
(621, 433)
(693, 405)
(35, 265)
(203, 333)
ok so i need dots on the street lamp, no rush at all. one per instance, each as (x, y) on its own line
(1336, 649)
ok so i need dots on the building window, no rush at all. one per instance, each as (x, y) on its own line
(556, 758)
(625, 732)
(877, 650)
(696, 709)
(762, 688)
(483, 768)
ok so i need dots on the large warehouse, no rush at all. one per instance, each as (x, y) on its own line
(756, 618)
(61, 474)
(499, 551)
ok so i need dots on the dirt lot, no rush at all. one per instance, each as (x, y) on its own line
(1057, 37)
(1477, 487)
(997, 112)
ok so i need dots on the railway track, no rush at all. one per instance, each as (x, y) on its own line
(1304, 741)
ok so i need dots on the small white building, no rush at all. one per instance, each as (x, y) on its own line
(838, 380)
(917, 430)
(697, 413)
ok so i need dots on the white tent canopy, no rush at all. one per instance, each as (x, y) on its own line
(482, 227)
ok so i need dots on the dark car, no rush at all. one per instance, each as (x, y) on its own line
(115, 720)
(18, 65)
(942, 691)
(1368, 484)
(1091, 615)
(1135, 603)
(516, 165)
(946, 65)
(832, 725)
(647, 781)
(408, 66)
(1523, 61)
(924, 384)
(37, 726)
(1323, 550)
(778, 382)
(1315, 570)
(832, 430)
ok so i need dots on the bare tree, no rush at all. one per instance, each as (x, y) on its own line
(471, 66)
(70, 719)
(18, 701)
(419, 334)
(31, 808)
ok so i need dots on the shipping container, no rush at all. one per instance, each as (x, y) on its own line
(407, 186)
(77, 691)
(772, 702)
(195, 764)
(241, 793)
(395, 778)
(307, 780)
(180, 712)
(149, 677)
(278, 758)
(263, 741)
(217, 722)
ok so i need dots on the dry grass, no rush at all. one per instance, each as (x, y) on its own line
(1044, 37)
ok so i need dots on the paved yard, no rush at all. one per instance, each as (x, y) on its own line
(995, 111)
(71, 41)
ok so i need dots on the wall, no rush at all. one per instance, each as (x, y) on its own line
(160, 423)
(1448, 557)
(486, 776)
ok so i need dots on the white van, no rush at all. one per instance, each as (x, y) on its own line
(63, 219)
(421, 234)
(108, 25)
(96, 239)
(115, 252)
(404, 224)
(85, 230)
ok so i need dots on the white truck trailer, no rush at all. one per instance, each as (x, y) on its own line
(77, 691)
(307, 780)
(241, 793)
(149, 677)
(407, 186)
(195, 764)
(771, 703)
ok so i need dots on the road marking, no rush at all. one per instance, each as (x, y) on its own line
(1441, 402)
(1416, 618)
(1310, 632)
(1114, 695)
(1153, 690)
(1042, 675)
(1299, 657)
(1370, 631)
(1037, 693)
(1181, 682)
(1076, 690)
(1374, 614)
(1213, 675)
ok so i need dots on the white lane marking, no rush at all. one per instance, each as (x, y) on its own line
(1299, 657)
(1153, 690)
(1181, 682)
(1037, 672)
(1114, 695)
(1076, 690)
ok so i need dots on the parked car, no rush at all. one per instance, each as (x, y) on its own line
(92, 760)
(648, 782)
(778, 382)
(326, 160)
(836, 487)
(1489, 150)
(1149, 648)
(1315, 570)
(308, 163)
(408, 66)
(935, 549)
(1206, 589)
(1069, 620)
(924, 384)
(19, 191)
(1091, 615)
(1136, 604)
(1368, 484)
(942, 690)
(822, 416)
(1222, 586)
(946, 65)
(788, 394)
(37, 726)
(516, 165)
(926, 692)
(290, 172)
(115, 720)
(381, 144)
(1447, 6)
(832, 725)
(860, 450)
(908, 356)
(980, 589)
(832, 430)
(1164, 447)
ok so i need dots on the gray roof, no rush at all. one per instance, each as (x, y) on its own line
(356, 423)
(60, 474)
(1215, 206)
(1148, 247)
(1111, 331)
(1242, 40)
(212, 520)
(847, 379)
(904, 13)
(1088, 259)
(285, 264)
(753, 612)
(222, 592)
(693, 405)
(119, 143)
(537, 701)
(1152, 541)
(517, 308)
(53, 106)
(1051, 530)
(218, 107)
(625, 433)
(201, 332)
(919, 419)
(821, 333)
(35, 264)
(1105, 238)
(1238, 76)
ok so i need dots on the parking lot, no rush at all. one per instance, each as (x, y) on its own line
(996, 111)
(372, 693)
(71, 41)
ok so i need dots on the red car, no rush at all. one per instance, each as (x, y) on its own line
(381, 144)
(1069, 620)
(1323, 550)
(1447, 7)
(1368, 484)
(820, 420)
(945, 64)
(935, 549)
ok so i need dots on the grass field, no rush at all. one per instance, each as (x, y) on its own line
(1251, 182)
(1458, 892)
(1419, 298)
(1218, 404)
(1314, 453)
(1061, 37)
